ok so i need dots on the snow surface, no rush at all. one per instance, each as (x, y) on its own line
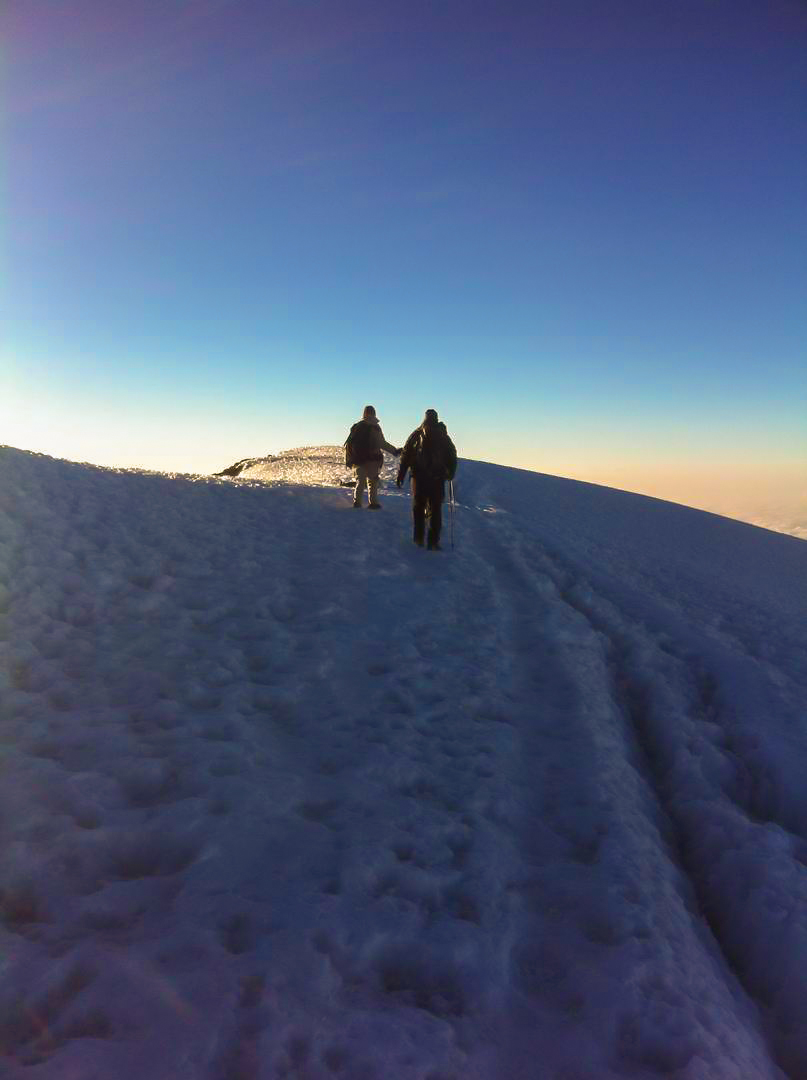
(283, 796)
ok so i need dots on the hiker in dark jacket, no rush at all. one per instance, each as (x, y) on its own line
(365, 452)
(431, 457)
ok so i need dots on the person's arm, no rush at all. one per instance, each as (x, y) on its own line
(406, 459)
(394, 450)
(452, 459)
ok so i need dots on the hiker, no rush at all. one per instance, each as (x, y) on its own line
(431, 457)
(364, 450)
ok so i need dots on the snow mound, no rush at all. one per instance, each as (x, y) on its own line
(315, 466)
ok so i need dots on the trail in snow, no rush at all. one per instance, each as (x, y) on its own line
(717, 739)
(284, 796)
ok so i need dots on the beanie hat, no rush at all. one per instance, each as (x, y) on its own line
(369, 411)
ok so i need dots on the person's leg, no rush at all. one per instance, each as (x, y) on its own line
(436, 517)
(419, 499)
(373, 471)
(361, 484)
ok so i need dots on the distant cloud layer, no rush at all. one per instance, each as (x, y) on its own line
(784, 522)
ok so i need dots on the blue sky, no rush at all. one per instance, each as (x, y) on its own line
(577, 229)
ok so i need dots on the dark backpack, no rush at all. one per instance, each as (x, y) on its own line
(357, 444)
(434, 453)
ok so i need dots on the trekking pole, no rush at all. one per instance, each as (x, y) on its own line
(451, 506)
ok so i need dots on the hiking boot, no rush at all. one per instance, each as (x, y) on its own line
(374, 506)
(356, 505)
(434, 545)
(419, 541)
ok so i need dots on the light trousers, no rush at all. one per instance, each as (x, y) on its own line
(367, 476)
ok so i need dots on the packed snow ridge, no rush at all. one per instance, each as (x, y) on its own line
(284, 796)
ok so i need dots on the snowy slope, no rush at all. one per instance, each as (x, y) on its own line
(285, 797)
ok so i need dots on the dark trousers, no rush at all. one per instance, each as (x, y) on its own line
(427, 498)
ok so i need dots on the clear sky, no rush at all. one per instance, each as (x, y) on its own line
(575, 228)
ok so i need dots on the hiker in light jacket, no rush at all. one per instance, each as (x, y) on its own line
(431, 457)
(368, 441)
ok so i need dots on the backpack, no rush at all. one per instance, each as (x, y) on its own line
(357, 444)
(434, 453)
